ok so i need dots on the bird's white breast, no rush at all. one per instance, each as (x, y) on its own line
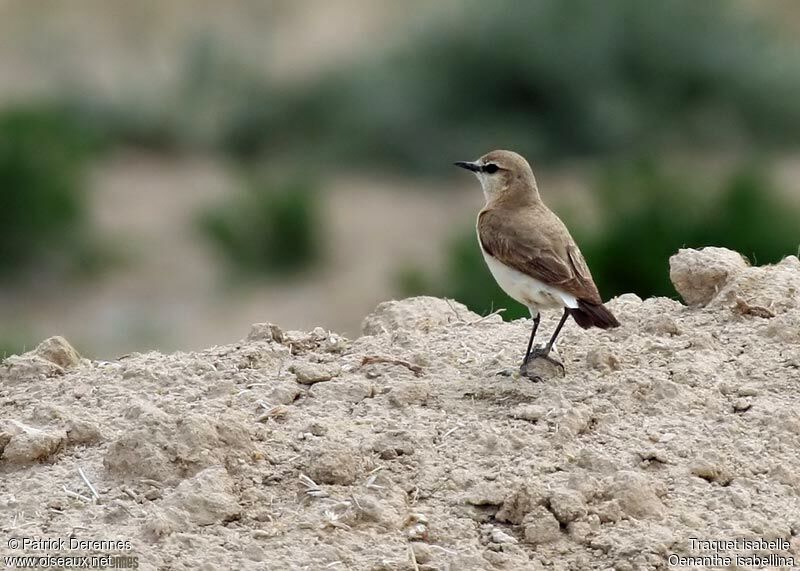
(525, 289)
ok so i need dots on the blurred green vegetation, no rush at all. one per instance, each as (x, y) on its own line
(43, 157)
(12, 344)
(268, 228)
(550, 78)
(647, 215)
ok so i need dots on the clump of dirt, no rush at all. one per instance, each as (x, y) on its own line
(404, 449)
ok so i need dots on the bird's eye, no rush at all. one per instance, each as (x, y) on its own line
(491, 168)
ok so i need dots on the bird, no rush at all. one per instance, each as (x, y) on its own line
(530, 252)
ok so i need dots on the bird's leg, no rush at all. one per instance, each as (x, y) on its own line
(544, 352)
(533, 334)
(552, 341)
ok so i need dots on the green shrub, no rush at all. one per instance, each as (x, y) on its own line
(647, 215)
(42, 202)
(268, 228)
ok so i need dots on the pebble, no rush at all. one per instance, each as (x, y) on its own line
(58, 350)
(567, 505)
(310, 373)
(540, 526)
(500, 536)
(265, 332)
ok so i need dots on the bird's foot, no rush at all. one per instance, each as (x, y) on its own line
(541, 365)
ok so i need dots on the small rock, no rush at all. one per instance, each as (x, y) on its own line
(334, 343)
(698, 275)
(712, 472)
(651, 455)
(417, 532)
(310, 373)
(135, 454)
(58, 350)
(284, 394)
(373, 509)
(635, 494)
(661, 325)
(422, 552)
(742, 404)
(83, 432)
(278, 412)
(747, 391)
(81, 390)
(335, 465)
(764, 291)
(205, 499)
(595, 461)
(608, 512)
(530, 412)
(392, 446)
(540, 526)
(254, 552)
(519, 503)
(487, 494)
(265, 332)
(602, 359)
(574, 421)
(17, 369)
(317, 429)
(22, 444)
(785, 327)
(408, 393)
(567, 505)
(740, 498)
(580, 531)
(500, 536)
(415, 314)
(350, 390)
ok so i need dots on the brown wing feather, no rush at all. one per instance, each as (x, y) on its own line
(522, 247)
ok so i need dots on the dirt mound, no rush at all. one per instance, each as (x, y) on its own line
(403, 449)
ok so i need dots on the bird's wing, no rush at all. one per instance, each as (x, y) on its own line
(529, 249)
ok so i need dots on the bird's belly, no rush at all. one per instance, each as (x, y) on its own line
(525, 289)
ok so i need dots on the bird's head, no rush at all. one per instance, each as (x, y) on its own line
(502, 173)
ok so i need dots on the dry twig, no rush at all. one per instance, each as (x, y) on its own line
(88, 483)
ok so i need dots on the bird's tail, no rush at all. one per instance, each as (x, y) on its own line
(589, 314)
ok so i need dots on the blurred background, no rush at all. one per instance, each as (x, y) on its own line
(171, 172)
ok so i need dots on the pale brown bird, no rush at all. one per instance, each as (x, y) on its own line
(529, 250)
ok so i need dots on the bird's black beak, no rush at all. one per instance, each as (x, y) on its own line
(474, 167)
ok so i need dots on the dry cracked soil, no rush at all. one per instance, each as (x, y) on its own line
(404, 449)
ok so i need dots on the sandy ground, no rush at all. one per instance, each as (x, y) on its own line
(404, 449)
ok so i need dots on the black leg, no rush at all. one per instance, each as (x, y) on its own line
(557, 331)
(533, 334)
